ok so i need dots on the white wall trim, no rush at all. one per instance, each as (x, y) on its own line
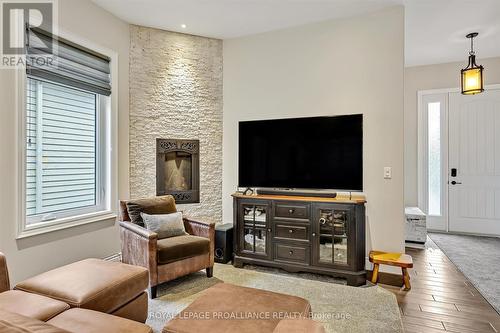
(111, 146)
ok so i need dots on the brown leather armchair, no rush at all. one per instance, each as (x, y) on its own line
(4, 274)
(169, 258)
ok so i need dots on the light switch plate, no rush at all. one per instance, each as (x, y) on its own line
(387, 172)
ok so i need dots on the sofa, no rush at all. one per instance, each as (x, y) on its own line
(88, 296)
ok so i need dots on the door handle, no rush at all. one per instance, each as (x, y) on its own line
(455, 183)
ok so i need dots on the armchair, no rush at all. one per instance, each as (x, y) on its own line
(169, 258)
(4, 274)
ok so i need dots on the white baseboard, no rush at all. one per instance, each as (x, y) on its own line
(114, 257)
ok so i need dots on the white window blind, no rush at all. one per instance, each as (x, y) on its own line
(61, 150)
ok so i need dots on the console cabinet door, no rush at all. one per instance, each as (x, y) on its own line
(331, 238)
(254, 228)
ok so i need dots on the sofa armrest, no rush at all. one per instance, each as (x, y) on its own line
(199, 228)
(202, 229)
(139, 247)
(143, 232)
(4, 274)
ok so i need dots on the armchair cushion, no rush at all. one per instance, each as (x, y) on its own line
(165, 225)
(181, 247)
(155, 205)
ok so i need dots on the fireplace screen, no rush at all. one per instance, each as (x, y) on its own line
(177, 169)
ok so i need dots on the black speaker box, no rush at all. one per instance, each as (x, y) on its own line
(223, 243)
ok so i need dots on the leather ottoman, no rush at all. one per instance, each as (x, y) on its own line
(230, 308)
(109, 287)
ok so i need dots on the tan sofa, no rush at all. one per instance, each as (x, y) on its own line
(87, 296)
(169, 258)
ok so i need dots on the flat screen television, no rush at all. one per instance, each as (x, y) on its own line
(302, 153)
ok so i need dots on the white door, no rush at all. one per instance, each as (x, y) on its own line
(474, 163)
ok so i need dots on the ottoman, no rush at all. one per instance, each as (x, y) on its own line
(94, 284)
(230, 308)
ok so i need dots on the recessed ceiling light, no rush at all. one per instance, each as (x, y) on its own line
(183, 26)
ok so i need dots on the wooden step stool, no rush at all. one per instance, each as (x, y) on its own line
(392, 259)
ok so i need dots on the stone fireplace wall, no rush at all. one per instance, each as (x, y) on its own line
(176, 93)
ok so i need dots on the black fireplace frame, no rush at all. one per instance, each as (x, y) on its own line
(192, 147)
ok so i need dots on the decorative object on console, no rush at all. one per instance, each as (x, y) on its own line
(165, 225)
(472, 76)
(178, 169)
(224, 243)
(310, 234)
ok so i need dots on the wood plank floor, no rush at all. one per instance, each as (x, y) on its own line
(441, 298)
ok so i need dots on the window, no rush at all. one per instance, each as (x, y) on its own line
(434, 157)
(62, 159)
(68, 122)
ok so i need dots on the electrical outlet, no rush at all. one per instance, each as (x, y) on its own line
(387, 172)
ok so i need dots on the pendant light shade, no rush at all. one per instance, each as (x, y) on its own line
(472, 75)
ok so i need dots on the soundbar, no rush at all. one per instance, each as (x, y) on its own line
(297, 192)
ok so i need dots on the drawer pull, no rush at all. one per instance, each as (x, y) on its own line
(291, 252)
(314, 234)
(291, 211)
(269, 230)
(290, 231)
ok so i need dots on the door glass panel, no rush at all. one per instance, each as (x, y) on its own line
(260, 241)
(434, 157)
(333, 236)
(255, 229)
(326, 236)
(248, 239)
(255, 214)
(340, 236)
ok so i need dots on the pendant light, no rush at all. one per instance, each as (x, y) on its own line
(472, 75)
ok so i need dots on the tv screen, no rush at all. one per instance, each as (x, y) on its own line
(307, 153)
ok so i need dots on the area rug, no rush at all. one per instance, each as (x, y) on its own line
(340, 308)
(477, 258)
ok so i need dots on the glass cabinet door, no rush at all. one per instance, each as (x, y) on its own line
(333, 236)
(255, 218)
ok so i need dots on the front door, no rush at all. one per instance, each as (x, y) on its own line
(474, 163)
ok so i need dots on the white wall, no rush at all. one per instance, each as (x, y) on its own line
(429, 77)
(182, 100)
(349, 66)
(36, 254)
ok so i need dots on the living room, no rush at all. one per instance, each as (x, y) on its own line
(189, 110)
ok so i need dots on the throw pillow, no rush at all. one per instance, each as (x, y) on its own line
(165, 225)
(155, 205)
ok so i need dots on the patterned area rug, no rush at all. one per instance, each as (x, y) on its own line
(340, 308)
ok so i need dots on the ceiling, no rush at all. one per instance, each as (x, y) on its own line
(435, 29)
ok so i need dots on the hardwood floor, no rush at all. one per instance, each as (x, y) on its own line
(441, 298)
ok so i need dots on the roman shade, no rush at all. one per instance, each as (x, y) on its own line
(72, 64)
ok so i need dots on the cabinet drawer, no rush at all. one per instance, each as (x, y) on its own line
(292, 210)
(292, 232)
(295, 253)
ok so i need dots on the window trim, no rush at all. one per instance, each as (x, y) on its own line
(108, 153)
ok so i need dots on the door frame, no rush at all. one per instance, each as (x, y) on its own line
(422, 135)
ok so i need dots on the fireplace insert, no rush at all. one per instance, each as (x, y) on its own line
(178, 169)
